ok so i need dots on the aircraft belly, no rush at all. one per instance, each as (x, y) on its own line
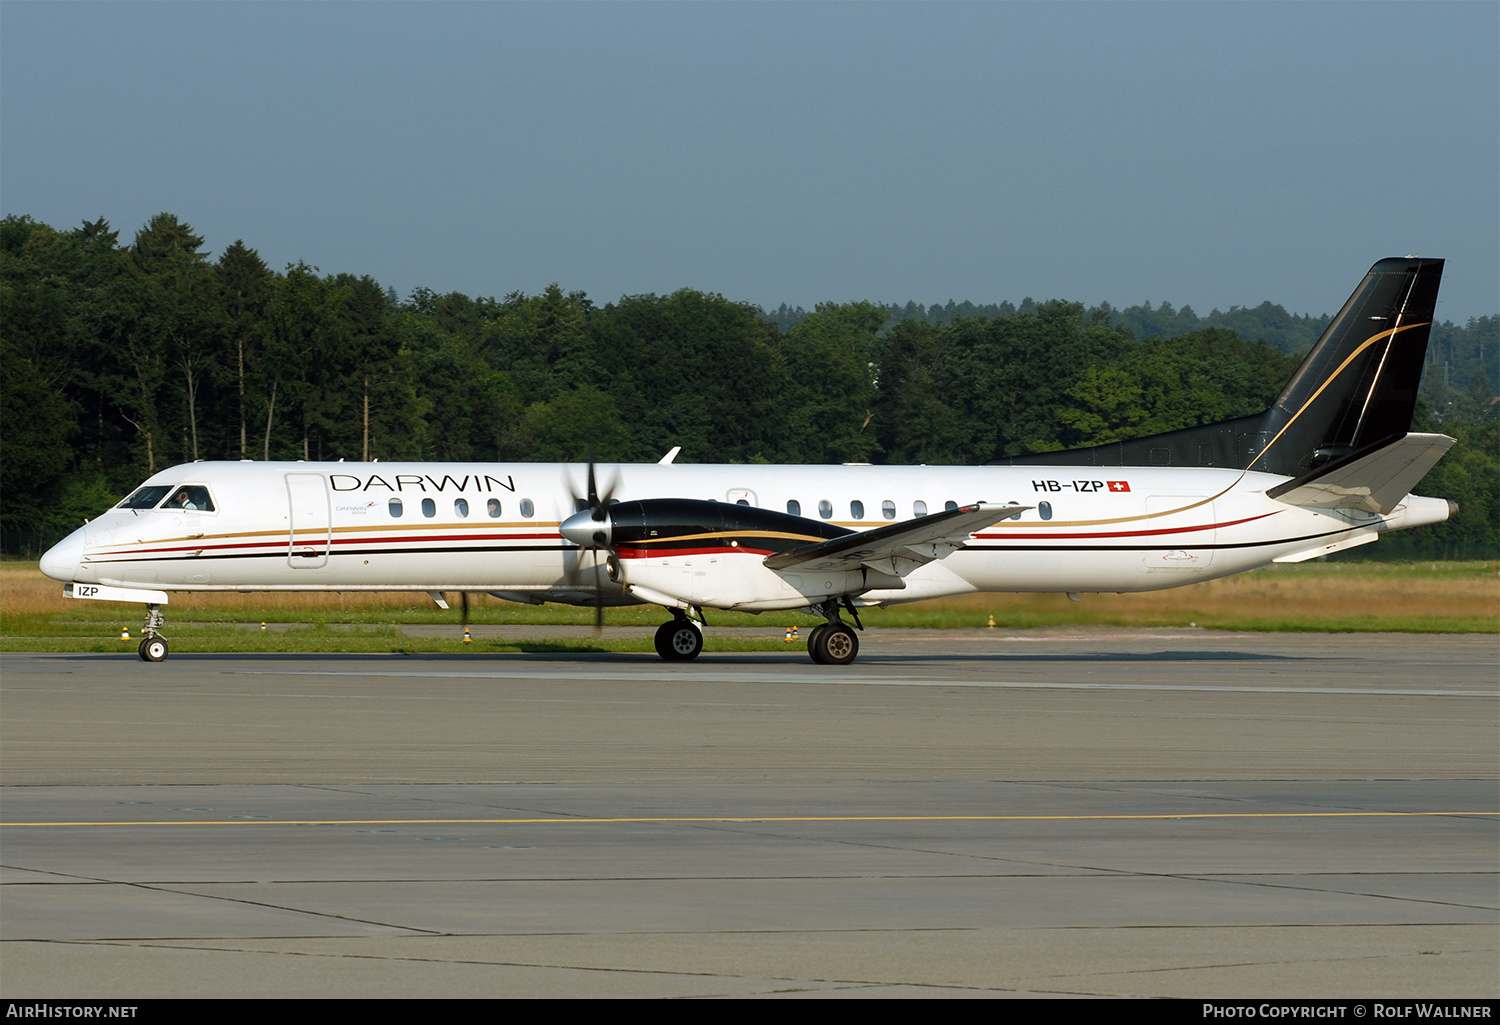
(734, 581)
(1050, 569)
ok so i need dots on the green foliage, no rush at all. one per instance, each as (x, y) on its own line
(37, 423)
(829, 406)
(575, 422)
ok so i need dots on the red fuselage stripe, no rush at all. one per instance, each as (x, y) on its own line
(1049, 536)
(321, 539)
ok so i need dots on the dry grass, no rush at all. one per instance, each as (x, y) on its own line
(1444, 597)
(1335, 591)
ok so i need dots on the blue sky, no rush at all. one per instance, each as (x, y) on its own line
(1210, 154)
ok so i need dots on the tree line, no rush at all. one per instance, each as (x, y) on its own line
(122, 358)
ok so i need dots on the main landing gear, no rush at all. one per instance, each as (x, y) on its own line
(829, 644)
(154, 646)
(832, 643)
(681, 640)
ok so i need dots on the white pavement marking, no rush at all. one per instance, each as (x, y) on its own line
(662, 674)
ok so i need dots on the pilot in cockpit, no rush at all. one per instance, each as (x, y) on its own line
(190, 498)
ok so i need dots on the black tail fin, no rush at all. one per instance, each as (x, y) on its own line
(1357, 388)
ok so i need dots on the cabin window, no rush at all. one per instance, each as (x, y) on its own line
(527, 509)
(429, 508)
(492, 508)
(793, 507)
(190, 498)
(857, 509)
(1017, 514)
(1044, 510)
(888, 509)
(949, 506)
(394, 505)
(145, 498)
(461, 508)
(919, 508)
(825, 509)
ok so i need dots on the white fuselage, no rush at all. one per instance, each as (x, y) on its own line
(433, 527)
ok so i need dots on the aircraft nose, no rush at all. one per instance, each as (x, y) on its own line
(61, 561)
(584, 531)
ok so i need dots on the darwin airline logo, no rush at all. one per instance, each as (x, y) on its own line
(483, 483)
(1083, 487)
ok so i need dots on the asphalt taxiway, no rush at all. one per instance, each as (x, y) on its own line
(967, 813)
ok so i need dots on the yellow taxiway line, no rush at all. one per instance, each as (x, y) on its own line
(666, 819)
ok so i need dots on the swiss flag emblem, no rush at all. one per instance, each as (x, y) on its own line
(1118, 485)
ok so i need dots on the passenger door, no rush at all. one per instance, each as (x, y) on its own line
(310, 519)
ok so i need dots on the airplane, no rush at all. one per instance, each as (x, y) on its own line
(1329, 466)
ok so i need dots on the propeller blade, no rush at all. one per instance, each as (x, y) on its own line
(593, 497)
(592, 500)
(598, 599)
(592, 539)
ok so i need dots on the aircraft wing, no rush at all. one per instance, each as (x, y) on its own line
(897, 548)
(1375, 480)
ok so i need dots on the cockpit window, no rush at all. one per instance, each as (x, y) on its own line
(145, 498)
(191, 498)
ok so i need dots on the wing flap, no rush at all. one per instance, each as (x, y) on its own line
(897, 548)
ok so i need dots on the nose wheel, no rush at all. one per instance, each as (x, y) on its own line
(154, 647)
(679, 641)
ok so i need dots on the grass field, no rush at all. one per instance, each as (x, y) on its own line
(1454, 597)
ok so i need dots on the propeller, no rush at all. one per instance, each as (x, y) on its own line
(597, 506)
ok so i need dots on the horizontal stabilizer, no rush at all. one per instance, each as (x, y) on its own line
(1375, 480)
(897, 548)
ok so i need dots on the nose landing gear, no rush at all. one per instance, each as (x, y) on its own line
(154, 646)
